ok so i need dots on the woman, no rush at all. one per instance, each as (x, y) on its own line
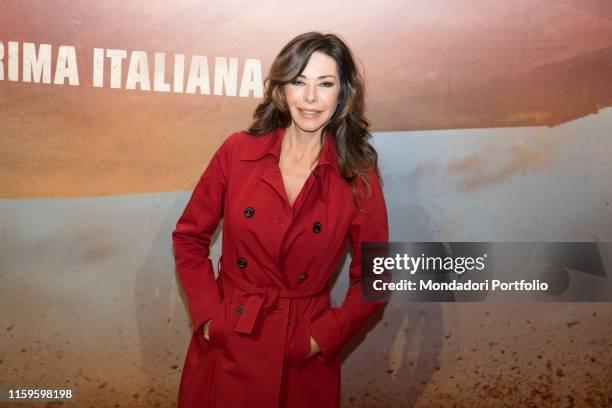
(291, 190)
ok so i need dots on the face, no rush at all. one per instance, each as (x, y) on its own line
(312, 97)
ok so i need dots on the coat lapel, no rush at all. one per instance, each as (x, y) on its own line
(270, 145)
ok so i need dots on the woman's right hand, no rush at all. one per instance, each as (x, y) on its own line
(205, 329)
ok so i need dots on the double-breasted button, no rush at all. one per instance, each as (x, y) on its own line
(249, 212)
(239, 309)
(289, 322)
(316, 227)
(241, 262)
(302, 277)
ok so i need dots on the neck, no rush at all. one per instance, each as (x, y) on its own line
(300, 144)
(302, 135)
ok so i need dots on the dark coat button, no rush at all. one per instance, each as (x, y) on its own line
(316, 227)
(289, 322)
(242, 263)
(303, 277)
(249, 212)
(239, 309)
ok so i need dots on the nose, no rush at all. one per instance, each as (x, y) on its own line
(311, 93)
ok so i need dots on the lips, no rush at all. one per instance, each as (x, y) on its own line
(309, 113)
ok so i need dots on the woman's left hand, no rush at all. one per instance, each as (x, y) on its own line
(314, 347)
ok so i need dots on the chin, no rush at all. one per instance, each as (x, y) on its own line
(309, 127)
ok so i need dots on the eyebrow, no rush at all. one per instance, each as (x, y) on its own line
(321, 77)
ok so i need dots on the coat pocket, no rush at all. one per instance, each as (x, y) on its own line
(217, 328)
(299, 349)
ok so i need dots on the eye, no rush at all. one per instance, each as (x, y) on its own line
(296, 82)
(327, 84)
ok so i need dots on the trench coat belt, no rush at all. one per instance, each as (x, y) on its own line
(261, 298)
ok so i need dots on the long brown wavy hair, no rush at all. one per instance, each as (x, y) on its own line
(348, 123)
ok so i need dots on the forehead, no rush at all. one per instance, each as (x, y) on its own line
(320, 64)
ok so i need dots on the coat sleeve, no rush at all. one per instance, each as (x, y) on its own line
(192, 235)
(332, 329)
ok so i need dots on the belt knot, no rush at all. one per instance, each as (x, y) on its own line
(260, 298)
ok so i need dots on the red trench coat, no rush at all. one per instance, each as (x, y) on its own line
(273, 291)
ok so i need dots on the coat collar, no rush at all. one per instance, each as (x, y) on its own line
(270, 144)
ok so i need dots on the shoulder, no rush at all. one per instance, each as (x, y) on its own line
(373, 180)
(238, 137)
(240, 146)
(232, 141)
(241, 137)
(369, 195)
(233, 144)
(241, 141)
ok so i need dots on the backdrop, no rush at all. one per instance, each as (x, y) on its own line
(492, 121)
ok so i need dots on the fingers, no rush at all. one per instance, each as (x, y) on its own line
(205, 330)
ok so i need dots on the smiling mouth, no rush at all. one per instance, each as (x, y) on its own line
(309, 112)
